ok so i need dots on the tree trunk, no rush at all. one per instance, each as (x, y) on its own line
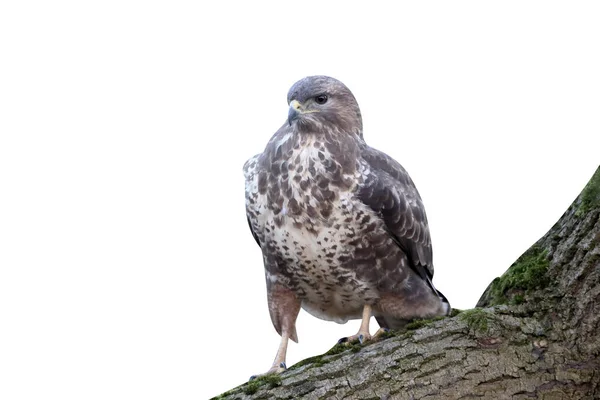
(535, 334)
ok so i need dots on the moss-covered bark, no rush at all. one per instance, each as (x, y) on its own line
(536, 335)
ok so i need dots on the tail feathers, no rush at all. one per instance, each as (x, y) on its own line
(444, 300)
(445, 303)
(396, 323)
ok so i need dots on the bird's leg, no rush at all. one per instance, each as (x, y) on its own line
(363, 332)
(284, 307)
(279, 362)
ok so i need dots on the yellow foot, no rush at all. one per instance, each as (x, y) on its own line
(275, 369)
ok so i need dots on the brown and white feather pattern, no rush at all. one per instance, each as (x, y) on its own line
(340, 224)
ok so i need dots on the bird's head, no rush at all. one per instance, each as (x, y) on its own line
(319, 103)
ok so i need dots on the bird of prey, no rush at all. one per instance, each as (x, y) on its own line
(341, 226)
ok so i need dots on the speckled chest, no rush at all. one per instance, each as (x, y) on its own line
(303, 210)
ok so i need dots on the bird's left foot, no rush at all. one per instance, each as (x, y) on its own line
(275, 369)
(363, 337)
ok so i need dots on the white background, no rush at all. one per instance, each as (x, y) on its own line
(127, 268)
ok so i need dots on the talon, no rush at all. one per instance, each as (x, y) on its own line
(253, 377)
(379, 333)
(282, 365)
(343, 340)
(361, 338)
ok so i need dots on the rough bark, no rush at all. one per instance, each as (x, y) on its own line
(535, 334)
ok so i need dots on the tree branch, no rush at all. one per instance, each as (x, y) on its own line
(535, 335)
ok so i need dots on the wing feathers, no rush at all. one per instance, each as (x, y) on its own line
(389, 191)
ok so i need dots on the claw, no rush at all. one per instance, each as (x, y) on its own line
(361, 338)
(282, 365)
(380, 332)
(253, 377)
(343, 340)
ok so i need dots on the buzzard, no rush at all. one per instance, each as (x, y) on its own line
(341, 226)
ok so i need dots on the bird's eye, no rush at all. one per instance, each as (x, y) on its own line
(321, 99)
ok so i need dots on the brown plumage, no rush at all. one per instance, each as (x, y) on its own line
(341, 226)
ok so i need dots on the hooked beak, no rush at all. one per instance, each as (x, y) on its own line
(294, 111)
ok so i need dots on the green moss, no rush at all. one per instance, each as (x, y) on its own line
(419, 323)
(355, 348)
(272, 380)
(408, 334)
(320, 363)
(455, 312)
(590, 196)
(337, 349)
(320, 360)
(386, 335)
(477, 319)
(414, 325)
(316, 360)
(251, 387)
(526, 274)
(518, 299)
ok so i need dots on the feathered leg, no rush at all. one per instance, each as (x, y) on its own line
(284, 307)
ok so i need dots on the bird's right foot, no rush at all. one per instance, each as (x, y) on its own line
(275, 369)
